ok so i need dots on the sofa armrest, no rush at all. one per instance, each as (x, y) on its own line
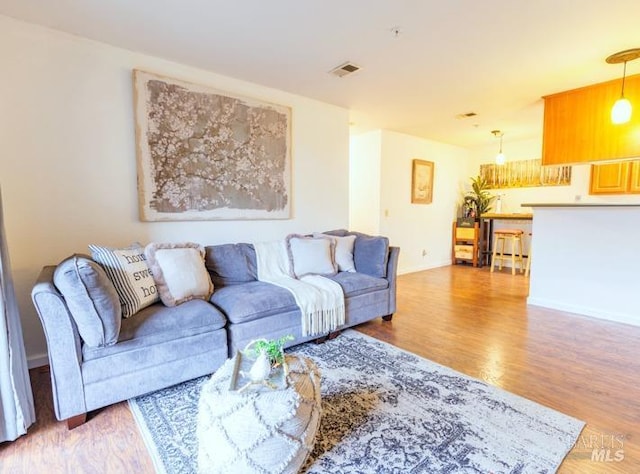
(392, 276)
(63, 346)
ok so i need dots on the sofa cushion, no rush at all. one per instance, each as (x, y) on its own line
(157, 324)
(179, 272)
(128, 271)
(311, 255)
(337, 232)
(91, 298)
(230, 264)
(370, 254)
(253, 300)
(354, 284)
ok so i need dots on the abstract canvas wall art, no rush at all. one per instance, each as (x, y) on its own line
(204, 154)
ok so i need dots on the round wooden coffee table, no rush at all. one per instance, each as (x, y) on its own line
(259, 429)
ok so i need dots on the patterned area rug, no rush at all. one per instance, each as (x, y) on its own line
(386, 411)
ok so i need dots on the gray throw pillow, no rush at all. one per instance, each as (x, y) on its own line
(370, 254)
(230, 264)
(92, 300)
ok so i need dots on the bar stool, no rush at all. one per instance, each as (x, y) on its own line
(501, 235)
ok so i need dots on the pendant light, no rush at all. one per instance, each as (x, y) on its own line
(621, 110)
(500, 158)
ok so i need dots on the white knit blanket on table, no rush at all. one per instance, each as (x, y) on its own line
(321, 300)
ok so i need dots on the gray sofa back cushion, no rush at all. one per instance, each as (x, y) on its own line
(92, 300)
(370, 253)
(230, 264)
(337, 232)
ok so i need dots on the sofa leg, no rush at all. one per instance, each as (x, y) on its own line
(333, 335)
(387, 317)
(76, 421)
(321, 340)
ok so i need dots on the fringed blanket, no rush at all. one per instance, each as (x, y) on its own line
(321, 300)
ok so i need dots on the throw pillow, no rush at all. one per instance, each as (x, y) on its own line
(230, 264)
(311, 255)
(370, 255)
(179, 272)
(128, 271)
(91, 298)
(343, 252)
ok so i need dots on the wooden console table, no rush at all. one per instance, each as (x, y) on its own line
(486, 231)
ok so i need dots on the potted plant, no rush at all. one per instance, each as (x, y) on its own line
(274, 349)
(477, 201)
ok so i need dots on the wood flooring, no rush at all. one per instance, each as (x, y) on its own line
(465, 318)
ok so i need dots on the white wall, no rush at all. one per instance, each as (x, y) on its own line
(381, 201)
(420, 227)
(68, 164)
(365, 157)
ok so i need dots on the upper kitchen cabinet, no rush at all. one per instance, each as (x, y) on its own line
(578, 129)
(621, 177)
(634, 178)
(610, 178)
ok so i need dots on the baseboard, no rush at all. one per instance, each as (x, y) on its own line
(37, 360)
(404, 271)
(624, 318)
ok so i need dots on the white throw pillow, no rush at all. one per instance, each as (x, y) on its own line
(343, 252)
(179, 271)
(311, 255)
(128, 271)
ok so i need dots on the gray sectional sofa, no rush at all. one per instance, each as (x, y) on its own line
(161, 346)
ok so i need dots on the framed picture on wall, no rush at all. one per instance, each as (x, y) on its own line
(205, 154)
(422, 182)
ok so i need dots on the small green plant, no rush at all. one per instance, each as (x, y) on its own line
(273, 348)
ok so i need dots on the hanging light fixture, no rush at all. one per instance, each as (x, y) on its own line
(621, 110)
(500, 158)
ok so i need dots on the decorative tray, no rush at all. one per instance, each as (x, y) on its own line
(240, 380)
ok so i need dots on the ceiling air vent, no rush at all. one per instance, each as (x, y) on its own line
(343, 70)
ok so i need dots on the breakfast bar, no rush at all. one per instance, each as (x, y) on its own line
(587, 259)
(486, 231)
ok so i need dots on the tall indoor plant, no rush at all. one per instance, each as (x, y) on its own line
(479, 199)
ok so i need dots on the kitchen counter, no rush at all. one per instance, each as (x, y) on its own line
(578, 204)
(586, 260)
(486, 234)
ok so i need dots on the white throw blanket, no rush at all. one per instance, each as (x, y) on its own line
(321, 300)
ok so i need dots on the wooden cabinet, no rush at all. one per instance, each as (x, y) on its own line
(634, 178)
(615, 178)
(577, 124)
(465, 244)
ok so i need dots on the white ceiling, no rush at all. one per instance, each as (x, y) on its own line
(492, 57)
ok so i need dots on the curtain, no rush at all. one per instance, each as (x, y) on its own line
(16, 399)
